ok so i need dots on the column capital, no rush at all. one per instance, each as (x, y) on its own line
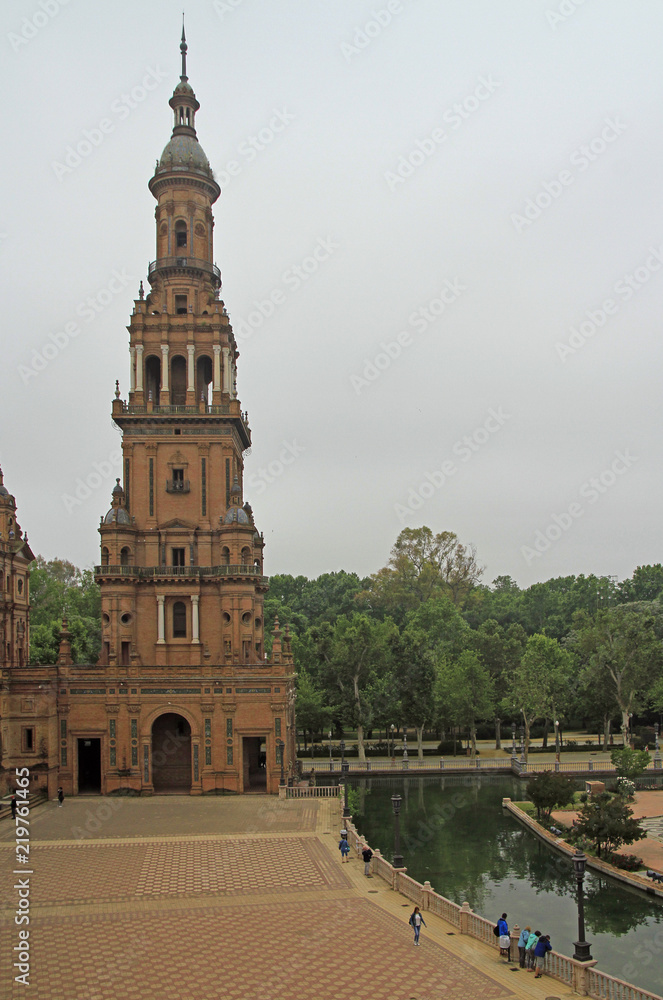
(165, 348)
(191, 348)
(217, 348)
(139, 348)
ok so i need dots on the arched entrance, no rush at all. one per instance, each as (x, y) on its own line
(171, 754)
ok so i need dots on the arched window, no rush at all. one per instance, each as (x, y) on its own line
(246, 557)
(225, 556)
(104, 556)
(178, 381)
(180, 234)
(20, 587)
(153, 377)
(179, 620)
(204, 379)
(125, 555)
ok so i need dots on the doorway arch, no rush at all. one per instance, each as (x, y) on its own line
(171, 753)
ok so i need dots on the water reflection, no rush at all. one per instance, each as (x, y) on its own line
(455, 833)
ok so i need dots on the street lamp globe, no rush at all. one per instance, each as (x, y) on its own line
(579, 864)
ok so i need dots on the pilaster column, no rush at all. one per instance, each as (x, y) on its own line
(195, 624)
(161, 619)
(139, 367)
(164, 368)
(132, 369)
(190, 367)
(216, 387)
(233, 388)
(226, 369)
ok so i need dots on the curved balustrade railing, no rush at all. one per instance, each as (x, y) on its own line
(164, 263)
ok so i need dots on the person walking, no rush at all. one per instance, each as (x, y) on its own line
(532, 942)
(367, 854)
(344, 848)
(522, 945)
(540, 951)
(415, 921)
(60, 797)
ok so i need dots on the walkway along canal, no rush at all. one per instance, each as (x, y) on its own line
(455, 834)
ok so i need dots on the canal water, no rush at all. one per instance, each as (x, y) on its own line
(455, 834)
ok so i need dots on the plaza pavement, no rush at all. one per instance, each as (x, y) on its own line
(180, 898)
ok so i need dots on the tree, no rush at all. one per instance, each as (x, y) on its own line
(646, 584)
(622, 648)
(500, 650)
(549, 789)
(414, 671)
(312, 714)
(421, 566)
(468, 690)
(608, 823)
(352, 653)
(536, 682)
(59, 589)
(630, 763)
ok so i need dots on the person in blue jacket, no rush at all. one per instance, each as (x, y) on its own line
(540, 951)
(522, 944)
(504, 937)
(344, 848)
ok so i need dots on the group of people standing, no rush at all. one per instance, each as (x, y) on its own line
(533, 946)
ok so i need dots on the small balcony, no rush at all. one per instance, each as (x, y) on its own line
(178, 486)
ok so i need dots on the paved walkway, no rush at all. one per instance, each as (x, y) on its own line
(179, 898)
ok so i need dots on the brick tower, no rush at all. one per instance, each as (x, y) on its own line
(191, 701)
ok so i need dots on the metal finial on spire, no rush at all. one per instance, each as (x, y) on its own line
(183, 49)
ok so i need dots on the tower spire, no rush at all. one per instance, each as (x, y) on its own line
(183, 50)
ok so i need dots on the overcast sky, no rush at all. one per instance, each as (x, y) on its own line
(436, 194)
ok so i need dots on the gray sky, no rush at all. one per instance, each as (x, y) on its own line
(441, 192)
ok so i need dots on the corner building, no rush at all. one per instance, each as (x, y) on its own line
(183, 697)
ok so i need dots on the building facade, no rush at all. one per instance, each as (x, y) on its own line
(183, 697)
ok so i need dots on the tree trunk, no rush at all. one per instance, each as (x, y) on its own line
(360, 743)
(420, 742)
(526, 721)
(473, 737)
(545, 734)
(454, 732)
(498, 734)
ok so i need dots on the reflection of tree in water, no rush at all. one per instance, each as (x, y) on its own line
(605, 912)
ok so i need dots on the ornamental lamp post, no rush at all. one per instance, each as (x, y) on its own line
(396, 806)
(331, 763)
(514, 751)
(346, 805)
(281, 747)
(657, 756)
(405, 743)
(556, 739)
(393, 748)
(582, 947)
(345, 767)
(522, 744)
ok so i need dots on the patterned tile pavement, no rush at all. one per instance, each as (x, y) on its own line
(162, 915)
